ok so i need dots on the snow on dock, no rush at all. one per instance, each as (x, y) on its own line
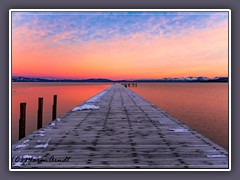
(117, 129)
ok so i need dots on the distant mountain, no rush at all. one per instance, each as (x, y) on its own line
(181, 79)
(186, 79)
(29, 79)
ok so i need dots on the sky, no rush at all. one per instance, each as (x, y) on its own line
(119, 45)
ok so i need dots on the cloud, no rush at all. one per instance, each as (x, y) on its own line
(116, 45)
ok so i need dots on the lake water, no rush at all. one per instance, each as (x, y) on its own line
(69, 95)
(202, 106)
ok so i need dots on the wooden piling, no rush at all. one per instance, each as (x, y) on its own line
(22, 120)
(40, 113)
(54, 107)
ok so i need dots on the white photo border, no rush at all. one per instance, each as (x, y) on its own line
(120, 10)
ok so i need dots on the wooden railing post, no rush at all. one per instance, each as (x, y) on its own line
(22, 120)
(54, 107)
(40, 113)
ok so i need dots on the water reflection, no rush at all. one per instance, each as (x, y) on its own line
(202, 106)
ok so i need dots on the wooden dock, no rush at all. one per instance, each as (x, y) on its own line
(117, 129)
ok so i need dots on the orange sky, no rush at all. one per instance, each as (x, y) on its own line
(155, 46)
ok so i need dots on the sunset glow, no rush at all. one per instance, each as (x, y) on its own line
(119, 45)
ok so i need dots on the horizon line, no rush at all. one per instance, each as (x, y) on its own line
(66, 78)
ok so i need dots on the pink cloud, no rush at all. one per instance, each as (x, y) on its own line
(139, 55)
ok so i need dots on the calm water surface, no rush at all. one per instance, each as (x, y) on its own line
(70, 95)
(202, 106)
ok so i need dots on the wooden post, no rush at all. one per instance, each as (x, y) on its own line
(54, 107)
(22, 120)
(40, 113)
